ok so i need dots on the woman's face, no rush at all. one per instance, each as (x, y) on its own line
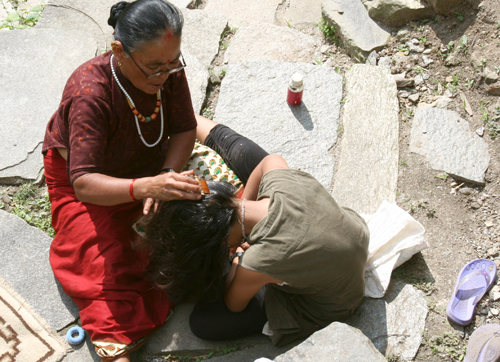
(152, 57)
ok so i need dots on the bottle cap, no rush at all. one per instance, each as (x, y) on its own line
(297, 80)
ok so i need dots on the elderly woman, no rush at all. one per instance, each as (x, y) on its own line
(307, 251)
(124, 129)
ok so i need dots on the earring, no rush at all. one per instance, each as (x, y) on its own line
(119, 63)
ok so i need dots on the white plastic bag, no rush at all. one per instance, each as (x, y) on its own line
(395, 237)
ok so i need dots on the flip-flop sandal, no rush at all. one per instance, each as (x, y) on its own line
(484, 344)
(474, 280)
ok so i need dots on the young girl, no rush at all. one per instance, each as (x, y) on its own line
(308, 252)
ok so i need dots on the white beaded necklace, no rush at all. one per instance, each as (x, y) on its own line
(133, 105)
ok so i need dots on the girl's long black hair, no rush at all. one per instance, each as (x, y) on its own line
(188, 244)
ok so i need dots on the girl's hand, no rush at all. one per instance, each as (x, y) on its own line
(171, 186)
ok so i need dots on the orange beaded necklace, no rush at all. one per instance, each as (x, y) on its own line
(140, 116)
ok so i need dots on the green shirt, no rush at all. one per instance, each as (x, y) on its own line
(316, 247)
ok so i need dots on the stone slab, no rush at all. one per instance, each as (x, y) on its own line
(357, 31)
(252, 101)
(368, 166)
(449, 145)
(201, 34)
(303, 11)
(336, 343)
(24, 264)
(84, 352)
(86, 15)
(176, 336)
(240, 12)
(181, 4)
(34, 67)
(253, 353)
(397, 12)
(259, 40)
(394, 328)
(197, 76)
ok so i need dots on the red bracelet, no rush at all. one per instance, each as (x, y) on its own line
(132, 190)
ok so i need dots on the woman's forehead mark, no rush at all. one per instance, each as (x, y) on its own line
(168, 35)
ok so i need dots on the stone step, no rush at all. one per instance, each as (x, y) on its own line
(359, 34)
(35, 65)
(265, 41)
(367, 170)
(241, 12)
(252, 101)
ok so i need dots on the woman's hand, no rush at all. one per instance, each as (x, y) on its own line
(170, 186)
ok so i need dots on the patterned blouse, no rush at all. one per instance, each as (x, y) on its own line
(95, 123)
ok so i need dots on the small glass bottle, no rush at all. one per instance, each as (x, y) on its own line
(295, 90)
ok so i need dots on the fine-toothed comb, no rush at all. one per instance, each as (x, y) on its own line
(204, 186)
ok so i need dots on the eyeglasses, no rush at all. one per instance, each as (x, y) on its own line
(160, 73)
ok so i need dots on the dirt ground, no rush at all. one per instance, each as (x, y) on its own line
(462, 220)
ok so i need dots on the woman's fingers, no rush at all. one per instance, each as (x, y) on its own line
(147, 205)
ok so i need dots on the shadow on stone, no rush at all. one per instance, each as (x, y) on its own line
(67, 301)
(301, 113)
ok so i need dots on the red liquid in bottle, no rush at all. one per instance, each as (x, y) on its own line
(295, 90)
(294, 98)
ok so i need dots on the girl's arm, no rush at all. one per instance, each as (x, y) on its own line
(242, 285)
(268, 163)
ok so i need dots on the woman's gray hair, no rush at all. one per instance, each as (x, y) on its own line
(144, 20)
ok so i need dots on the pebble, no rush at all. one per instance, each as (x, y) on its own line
(489, 223)
(427, 51)
(452, 60)
(493, 252)
(480, 132)
(494, 311)
(427, 61)
(449, 79)
(494, 89)
(475, 205)
(466, 191)
(414, 97)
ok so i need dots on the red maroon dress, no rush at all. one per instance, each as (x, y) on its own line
(91, 254)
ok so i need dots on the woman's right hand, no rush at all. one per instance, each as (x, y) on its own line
(167, 187)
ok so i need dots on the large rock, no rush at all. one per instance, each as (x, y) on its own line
(240, 12)
(444, 6)
(397, 12)
(449, 145)
(86, 15)
(24, 264)
(368, 165)
(176, 336)
(359, 34)
(201, 34)
(390, 323)
(197, 76)
(34, 67)
(252, 101)
(303, 11)
(258, 40)
(336, 343)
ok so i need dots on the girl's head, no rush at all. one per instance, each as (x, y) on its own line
(147, 41)
(188, 244)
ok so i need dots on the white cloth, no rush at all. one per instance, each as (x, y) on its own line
(395, 237)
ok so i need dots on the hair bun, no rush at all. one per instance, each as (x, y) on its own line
(115, 12)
